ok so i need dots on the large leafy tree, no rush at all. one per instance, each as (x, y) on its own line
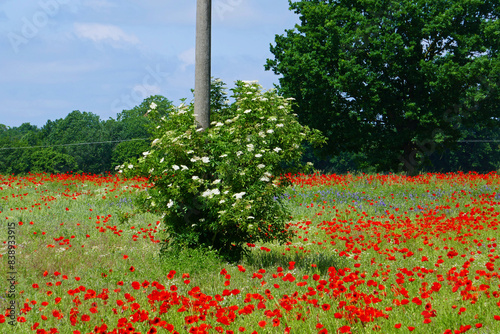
(392, 79)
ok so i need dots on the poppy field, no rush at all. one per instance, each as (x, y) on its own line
(371, 254)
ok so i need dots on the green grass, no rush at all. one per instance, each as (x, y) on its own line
(85, 233)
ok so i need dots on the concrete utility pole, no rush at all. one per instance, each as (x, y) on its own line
(203, 63)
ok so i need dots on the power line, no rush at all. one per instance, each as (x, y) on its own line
(75, 144)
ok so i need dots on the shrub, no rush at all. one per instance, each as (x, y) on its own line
(220, 188)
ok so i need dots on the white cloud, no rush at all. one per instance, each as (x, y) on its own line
(188, 57)
(103, 32)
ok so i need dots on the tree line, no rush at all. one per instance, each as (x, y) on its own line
(62, 145)
(80, 142)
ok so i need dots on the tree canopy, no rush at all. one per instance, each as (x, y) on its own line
(395, 80)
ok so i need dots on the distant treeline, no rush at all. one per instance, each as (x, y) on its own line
(63, 145)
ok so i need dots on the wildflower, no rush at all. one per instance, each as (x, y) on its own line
(130, 166)
(258, 155)
(247, 111)
(279, 125)
(175, 167)
(260, 166)
(146, 153)
(219, 124)
(239, 195)
(277, 149)
(153, 105)
(170, 203)
(184, 167)
(205, 160)
(270, 131)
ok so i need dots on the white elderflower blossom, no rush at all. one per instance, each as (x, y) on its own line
(219, 124)
(153, 105)
(175, 167)
(280, 125)
(195, 177)
(260, 166)
(190, 152)
(239, 153)
(272, 118)
(250, 147)
(146, 153)
(250, 217)
(170, 203)
(239, 195)
(194, 159)
(222, 201)
(258, 155)
(184, 167)
(216, 181)
(223, 156)
(277, 149)
(210, 193)
(205, 160)
(270, 131)
(247, 111)
(264, 179)
(130, 166)
(262, 134)
(162, 159)
(156, 141)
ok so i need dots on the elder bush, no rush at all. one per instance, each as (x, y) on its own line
(221, 188)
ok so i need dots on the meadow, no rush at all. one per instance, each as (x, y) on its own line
(371, 254)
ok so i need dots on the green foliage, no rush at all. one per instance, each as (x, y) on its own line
(220, 189)
(393, 80)
(48, 160)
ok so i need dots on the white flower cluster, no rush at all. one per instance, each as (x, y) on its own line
(239, 195)
(210, 193)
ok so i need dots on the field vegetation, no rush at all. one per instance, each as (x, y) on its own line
(370, 253)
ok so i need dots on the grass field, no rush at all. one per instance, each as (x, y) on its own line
(371, 253)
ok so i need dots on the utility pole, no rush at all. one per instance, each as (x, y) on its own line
(203, 63)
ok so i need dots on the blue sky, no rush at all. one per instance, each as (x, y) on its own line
(103, 56)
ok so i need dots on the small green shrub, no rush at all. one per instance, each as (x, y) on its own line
(221, 188)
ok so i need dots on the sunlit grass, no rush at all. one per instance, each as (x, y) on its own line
(371, 253)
